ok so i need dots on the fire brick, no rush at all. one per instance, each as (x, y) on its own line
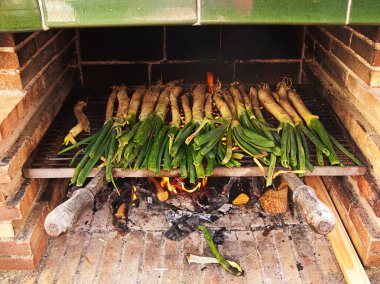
(370, 191)
(18, 205)
(351, 61)
(10, 81)
(363, 230)
(6, 40)
(320, 36)
(8, 60)
(363, 49)
(341, 33)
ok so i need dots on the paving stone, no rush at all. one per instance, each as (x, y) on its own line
(71, 259)
(326, 259)
(286, 257)
(191, 271)
(270, 264)
(150, 271)
(132, 255)
(231, 250)
(54, 257)
(91, 259)
(250, 259)
(173, 261)
(306, 261)
(108, 269)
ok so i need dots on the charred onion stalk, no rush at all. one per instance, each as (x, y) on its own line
(314, 125)
(82, 125)
(252, 106)
(224, 151)
(155, 132)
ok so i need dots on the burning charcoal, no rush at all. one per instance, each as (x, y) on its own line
(121, 225)
(183, 227)
(218, 237)
(121, 212)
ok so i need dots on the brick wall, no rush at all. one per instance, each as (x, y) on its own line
(345, 63)
(37, 71)
(145, 54)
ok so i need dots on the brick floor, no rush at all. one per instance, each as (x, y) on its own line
(95, 252)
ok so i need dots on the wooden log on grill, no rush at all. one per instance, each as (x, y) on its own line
(63, 217)
(317, 214)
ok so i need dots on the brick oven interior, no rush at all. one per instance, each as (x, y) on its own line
(42, 74)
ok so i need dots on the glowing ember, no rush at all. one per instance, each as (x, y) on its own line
(210, 82)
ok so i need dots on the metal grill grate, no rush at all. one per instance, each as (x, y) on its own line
(46, 163)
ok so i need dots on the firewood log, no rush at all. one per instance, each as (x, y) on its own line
(63, 217)
(317, 214)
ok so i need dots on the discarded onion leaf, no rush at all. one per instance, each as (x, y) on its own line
(234, 270)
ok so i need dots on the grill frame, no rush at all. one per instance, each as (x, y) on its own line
(46, 163)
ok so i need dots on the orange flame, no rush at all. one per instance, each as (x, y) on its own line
(210, 82)
(165, 183)
(179, 183)
(134, 195)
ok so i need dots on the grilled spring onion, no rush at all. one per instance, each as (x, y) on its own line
(170, 94)
(314, 124)
(251, 141)
(266, 128)
(297, 158)
(129, 122)
(207, 143)
(134, 145)
(197, 117)
(152, 131)
(288, 140)
(175, 126)
(98, 144)
(258, 125)
(82, 125)
(180, 150)
(224, 155)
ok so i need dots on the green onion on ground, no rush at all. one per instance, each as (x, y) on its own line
(234, 270)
